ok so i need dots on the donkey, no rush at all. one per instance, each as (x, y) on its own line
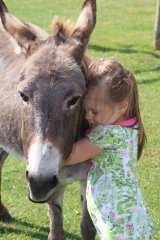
(41, 88)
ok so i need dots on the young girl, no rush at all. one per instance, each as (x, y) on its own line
(117, 137)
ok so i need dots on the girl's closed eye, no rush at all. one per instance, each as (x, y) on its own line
(94, 112)
(91, 111)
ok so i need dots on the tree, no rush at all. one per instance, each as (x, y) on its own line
(157, 27)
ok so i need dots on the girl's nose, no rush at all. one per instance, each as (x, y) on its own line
(88, 116)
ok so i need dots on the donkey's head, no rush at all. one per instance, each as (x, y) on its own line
(51, 86)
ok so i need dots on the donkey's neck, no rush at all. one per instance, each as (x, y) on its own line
(11, 109)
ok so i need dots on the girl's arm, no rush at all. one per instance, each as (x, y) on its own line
(83, 150)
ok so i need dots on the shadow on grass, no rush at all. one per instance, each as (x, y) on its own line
(149, 81)
(42, 233)
(30, 225)
(10, 230)
(156, 69)
(122, 49)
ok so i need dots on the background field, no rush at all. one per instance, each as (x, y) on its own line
(124, 31)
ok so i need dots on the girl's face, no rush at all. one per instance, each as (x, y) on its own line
(99, 111)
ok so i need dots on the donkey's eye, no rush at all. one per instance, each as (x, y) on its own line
(24, 97)
(73, 102)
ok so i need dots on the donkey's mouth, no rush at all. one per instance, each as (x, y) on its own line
(40, 198)
(41, 190)
(40, 201)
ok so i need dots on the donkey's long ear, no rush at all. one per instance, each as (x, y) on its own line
(84, 27)
(17, 29)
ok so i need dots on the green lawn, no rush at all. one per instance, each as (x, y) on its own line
(124, 31)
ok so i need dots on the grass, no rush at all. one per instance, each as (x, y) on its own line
(124, 31)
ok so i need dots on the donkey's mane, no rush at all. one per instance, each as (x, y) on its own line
(63, 27)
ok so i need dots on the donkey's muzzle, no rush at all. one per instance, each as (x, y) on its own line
(40, 188)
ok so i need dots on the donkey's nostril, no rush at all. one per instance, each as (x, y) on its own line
(27, 174)
(54, 182)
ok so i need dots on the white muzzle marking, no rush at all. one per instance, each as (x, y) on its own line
(43, 159)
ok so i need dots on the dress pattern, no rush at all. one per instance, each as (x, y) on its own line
(114, 200)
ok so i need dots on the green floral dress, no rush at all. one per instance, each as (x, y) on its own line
(114, 200)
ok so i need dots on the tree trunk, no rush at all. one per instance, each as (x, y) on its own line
(157, 27)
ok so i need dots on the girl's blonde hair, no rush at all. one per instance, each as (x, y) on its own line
(120, 85)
